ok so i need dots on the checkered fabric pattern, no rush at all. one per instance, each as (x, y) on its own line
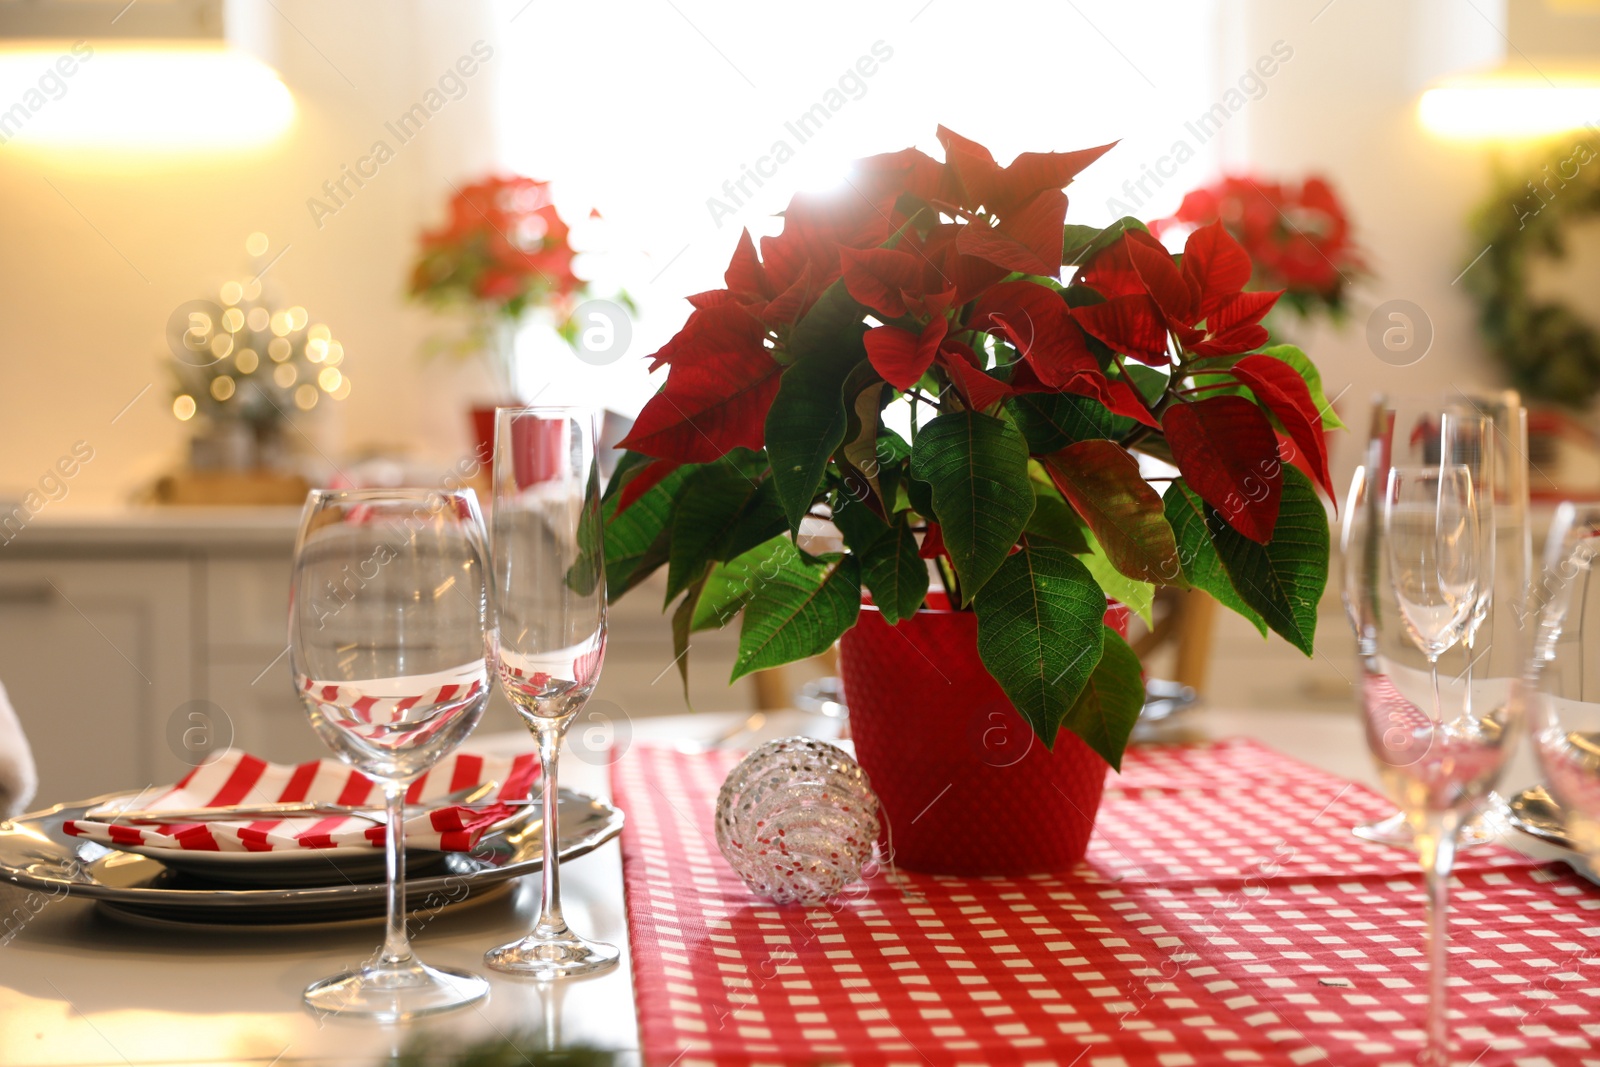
(1224, 915)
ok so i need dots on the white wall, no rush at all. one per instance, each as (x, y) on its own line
(95, 251)
(642, 111)
(1345, 106)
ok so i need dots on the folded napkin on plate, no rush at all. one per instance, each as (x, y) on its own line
(18, 777)
(237, 778)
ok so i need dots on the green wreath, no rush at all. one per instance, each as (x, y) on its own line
(1549, 352)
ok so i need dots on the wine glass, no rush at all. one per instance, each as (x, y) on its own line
(550, 607)
(1561, 689)
(1436, 765)
(388, 630)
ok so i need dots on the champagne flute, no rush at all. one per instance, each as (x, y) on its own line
(1488, 433)
(550, 608)
(1434, 766)
(1430, 528)
(1467, 439)
(388, 627)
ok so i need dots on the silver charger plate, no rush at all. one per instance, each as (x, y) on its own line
(416, 915)
(36, 854)
(1534, 813)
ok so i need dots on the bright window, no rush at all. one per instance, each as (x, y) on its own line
(655, 113)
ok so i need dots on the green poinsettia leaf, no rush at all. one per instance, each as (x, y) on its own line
(1075, 237)
(1313, 378)
(1202, 567)
(728, 586)
(896, 574)
(1102, 481)
(1052, 421)
(726, 508)
(1054, 520)
(798, 611)
(1149, 382)
(1040, 633)
(586, 571)
(890, 565)
(1104, 713)
(1282, 580)
(638, 540)
(858, 524)
(920, 496)
(1138, 597)
(977, 467)
(809, 417)
(1080, 244)
(683, 626)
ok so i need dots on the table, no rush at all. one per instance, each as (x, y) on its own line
(79, 989)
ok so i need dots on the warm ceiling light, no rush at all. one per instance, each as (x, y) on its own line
(1511, 107)
(150, 96)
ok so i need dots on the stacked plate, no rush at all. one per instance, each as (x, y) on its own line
(203, 851)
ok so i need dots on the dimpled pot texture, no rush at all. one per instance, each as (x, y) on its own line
(965, 786)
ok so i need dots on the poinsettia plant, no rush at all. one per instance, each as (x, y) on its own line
(1297, 235)
(504, 246)
(936, 362)
(503, 252)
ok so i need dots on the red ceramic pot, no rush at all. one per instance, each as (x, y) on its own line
(483, 432)
(537, 445)
(965, 786)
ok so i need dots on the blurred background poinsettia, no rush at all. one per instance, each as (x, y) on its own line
(1298, 235)
(503, 255)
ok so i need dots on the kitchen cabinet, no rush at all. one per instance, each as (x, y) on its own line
(135, 643)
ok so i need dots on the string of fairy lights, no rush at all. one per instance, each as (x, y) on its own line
(244, 359)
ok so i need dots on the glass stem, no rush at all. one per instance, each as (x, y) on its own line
(551, 923)
(396, 945)
(1466, 700)
(1438, 702)
(550, 996)
(1436, 849)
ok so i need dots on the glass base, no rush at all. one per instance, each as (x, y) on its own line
(1395, 831)
(563, 954)
(391, 993)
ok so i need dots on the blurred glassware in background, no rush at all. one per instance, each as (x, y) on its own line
(822, 696)
(1430, 536)
(1488, 433)
(1411, 589)
(1561, 690)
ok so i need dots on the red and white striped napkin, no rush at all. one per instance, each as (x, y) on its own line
(238, 778)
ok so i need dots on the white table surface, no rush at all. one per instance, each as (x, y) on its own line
(79, 988)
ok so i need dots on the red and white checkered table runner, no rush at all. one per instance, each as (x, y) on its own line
(1224, 915)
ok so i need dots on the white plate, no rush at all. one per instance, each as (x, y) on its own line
(352, 863)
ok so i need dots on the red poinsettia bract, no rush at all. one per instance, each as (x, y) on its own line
(953, 270)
